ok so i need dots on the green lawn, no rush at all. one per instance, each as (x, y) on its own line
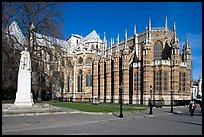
(101, 107)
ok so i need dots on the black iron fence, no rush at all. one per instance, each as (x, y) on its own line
(160, 103)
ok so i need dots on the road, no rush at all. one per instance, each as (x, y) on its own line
(162, 122)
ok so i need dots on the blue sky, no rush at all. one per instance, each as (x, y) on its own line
(114, 17)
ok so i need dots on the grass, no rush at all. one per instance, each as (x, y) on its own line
(101, 107)
(7, 101)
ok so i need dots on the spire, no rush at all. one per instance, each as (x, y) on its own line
(117, 46)
(187, 43)
(105, 49)
(166, 28)
(104, 38)
(149, 24)
(118, 39)
(186, 37)
(149, 29)
(126, 39)
(146, 38)
(135, 30)
(166, 23)
(175, 39)
(174, 26)
(126, 34)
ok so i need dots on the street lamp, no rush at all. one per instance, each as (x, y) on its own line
(171, 101)
(121, 101)
(150, 102)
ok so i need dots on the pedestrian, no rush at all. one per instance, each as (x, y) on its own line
(192, 107)
(201, 107)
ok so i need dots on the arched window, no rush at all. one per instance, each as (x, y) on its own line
(88, 79)
(68, 83)
(69, 63)
(62, 61)
(80, 81)
(97, 47)
(165, 78)
(158, 50)
(89, 61)
(80, 60)
(157, 81)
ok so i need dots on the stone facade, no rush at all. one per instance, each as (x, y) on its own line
(150, 58)
(88, 69)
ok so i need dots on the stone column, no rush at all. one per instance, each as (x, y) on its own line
(147, 73)
(175, 80)
(95, 79)
(116, 79)
(188, 84)
(101, 62)
(125, 76)
(136, 83)
(108, 79)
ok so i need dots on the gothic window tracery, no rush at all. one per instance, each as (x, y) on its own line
(88, 79)
(80, 81)
(68, 83)
(89, 61)
(80, 61)
(158, 50)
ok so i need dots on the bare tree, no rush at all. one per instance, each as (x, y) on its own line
(33, 18)
(46, 18)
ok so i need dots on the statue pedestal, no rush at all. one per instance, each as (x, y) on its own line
(24, 96)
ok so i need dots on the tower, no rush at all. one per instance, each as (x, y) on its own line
(166, 28)
(175, 63)
(187, 60)
(187, 53)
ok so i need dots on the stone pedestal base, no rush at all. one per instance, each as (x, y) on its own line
(23, 95)
(24, 100)
(24, 104)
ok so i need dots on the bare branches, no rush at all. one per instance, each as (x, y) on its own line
(13, 37)
(45, 16)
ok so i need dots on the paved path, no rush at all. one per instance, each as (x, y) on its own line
(68, 121)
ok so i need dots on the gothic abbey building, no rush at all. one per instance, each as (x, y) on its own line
(147, 65)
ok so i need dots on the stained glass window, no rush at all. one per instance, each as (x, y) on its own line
(158, 50)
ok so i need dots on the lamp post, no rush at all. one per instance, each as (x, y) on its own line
(121, 101)
(150, 102)
(171, 101)
(121, 86)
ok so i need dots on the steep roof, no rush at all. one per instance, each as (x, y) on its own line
(15, 30)
(92, 35)
(43, 40)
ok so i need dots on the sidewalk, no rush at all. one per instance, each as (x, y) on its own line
(44, 109)
(36, 109)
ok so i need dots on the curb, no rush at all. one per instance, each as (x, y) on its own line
(43, 113)
(48, 113)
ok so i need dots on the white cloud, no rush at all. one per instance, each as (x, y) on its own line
(195, 41)
(197, 59)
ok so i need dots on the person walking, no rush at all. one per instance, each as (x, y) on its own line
(192, 107)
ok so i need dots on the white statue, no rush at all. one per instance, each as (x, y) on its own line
(25, 62)
(23, 95)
